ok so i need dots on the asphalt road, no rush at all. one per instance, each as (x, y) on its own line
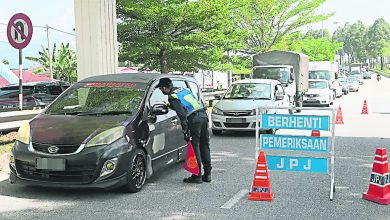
(297, 195)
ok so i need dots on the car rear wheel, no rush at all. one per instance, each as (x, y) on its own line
(216, 132)
(136, 171)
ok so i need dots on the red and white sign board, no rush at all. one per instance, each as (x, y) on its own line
(19, 31)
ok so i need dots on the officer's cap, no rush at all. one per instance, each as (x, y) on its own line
(164, 82)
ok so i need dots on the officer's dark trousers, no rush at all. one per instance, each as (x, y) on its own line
(198, 124)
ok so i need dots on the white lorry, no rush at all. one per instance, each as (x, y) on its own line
(290, 68)
(326, 70)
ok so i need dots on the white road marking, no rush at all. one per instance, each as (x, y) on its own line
(235, 199)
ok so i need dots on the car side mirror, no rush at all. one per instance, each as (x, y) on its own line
(279, 97)
(159, 109)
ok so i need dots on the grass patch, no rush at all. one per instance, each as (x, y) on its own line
(6, 148)
(6, 142)
(385, 72)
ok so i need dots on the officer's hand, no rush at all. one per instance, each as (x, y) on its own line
(187, 137)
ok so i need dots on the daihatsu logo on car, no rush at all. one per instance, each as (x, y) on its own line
(53, 149)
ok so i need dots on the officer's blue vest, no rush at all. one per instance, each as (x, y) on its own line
(187, 99)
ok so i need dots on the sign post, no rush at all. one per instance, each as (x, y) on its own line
(19, 33)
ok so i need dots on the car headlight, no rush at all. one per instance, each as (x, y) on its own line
(217, 111)
(107, 137)
(24, 133)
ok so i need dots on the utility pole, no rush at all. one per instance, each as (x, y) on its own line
(48, 50)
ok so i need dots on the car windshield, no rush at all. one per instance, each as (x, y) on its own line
(276, 73)
(318, 85)
(249, 91)
(319, 75)
(99, 98)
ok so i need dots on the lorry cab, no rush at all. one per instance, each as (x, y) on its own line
(283, 73)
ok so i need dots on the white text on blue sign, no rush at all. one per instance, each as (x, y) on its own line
(300, 164)
(301, 122)
(296, 143)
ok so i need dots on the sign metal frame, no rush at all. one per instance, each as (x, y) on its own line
(330, 153)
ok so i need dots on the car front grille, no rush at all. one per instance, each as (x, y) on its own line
(312, 95)
(74, 174)
(236, 125)
(62, 149)
(238, 113)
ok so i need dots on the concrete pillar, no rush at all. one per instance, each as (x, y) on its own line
(96, 37)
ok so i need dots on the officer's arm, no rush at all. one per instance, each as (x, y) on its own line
(176, 105)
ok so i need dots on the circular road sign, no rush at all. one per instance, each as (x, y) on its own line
(19, 31)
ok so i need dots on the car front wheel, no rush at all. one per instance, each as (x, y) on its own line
(136, 171)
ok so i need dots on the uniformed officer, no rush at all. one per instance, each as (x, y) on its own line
(194, 121)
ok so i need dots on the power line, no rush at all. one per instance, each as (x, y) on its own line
(44, 27)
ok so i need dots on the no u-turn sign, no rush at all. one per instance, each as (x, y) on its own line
(19, 31)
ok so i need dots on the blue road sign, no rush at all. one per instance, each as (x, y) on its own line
(296, 143)
(300, 122)
(300, 164)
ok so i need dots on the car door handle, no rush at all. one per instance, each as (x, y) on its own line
(174, 121)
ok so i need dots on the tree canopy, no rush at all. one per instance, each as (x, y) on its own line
(182, 35)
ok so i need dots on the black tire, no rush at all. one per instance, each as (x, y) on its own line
(216, 132)
(136, 171)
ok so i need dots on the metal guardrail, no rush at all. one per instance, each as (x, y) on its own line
(209, 97)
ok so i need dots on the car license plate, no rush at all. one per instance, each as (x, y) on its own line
(311, 100)
(50, 164)
(235, 120)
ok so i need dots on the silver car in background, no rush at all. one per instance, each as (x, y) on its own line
(236, 111)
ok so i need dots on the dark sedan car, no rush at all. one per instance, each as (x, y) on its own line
(35, 94)
(103, 132)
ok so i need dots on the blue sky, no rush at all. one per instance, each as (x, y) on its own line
(60, 14)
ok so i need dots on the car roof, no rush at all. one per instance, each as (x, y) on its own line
(266, 81)
(134, 77)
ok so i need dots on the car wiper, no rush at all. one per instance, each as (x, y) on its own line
(262, 98)
(116, 113)
(74, 113)
(237, 98)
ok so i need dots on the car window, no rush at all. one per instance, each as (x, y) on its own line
(40, 89)
(95, 97)
(54, 90)
(194, 88)
(158, 97)
(279, 90)
(179, 84)
(249, 91)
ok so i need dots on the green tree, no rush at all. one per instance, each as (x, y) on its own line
(63, 62)
(5, 61)
(318, 34)
(378, 38)
(179, 35)
(266, 22)
(318, 49)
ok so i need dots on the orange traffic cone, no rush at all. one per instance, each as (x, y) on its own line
(261, 187)
(365, 109)
(339, 117)
(315, 133)
(379, 188)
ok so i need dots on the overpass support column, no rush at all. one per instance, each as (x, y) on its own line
(96, 37)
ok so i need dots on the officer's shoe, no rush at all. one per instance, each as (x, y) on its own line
(193, 179)
(206, 177)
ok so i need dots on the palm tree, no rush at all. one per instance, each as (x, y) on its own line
(63, 62)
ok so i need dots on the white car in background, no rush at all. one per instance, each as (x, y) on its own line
(319, 93)
(339, 88)
(236, 111)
